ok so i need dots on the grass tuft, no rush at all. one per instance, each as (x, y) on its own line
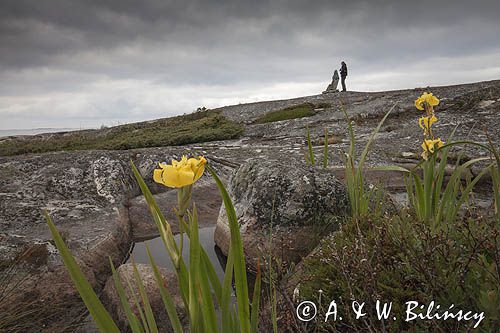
(292, 112)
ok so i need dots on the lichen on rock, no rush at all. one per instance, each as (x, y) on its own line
(284, 203)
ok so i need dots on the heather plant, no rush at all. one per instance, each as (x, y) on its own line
(397, 259)
(205, 298)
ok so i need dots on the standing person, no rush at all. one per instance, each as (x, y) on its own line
(343, 74)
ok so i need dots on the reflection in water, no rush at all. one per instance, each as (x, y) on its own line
(162, 258)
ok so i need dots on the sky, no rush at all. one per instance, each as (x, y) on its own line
(88, 63)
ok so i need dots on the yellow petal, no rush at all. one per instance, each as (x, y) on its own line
(177, 177)
(418, 103)
(424, 145)
(428, 145)
(175, 163)
(421, 121)
(184, 160)
(157, 175)
(193, 162)
(199, 172)
(439, 143)
(432, 100)
(180, 173)
(432, 120)
(198, 166)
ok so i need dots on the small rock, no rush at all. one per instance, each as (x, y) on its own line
(484, 104)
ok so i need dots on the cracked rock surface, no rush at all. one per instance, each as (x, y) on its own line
(89, 194)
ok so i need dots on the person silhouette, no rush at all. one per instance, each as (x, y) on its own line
(343, 74)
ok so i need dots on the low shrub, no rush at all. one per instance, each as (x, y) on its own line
(198, 127)
(398, 259)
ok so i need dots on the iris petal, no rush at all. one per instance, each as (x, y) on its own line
(418, 103)
(157, 175)
(175, 177)
(180, 173)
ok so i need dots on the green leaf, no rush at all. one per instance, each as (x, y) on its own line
(240, 277)
(391, 168)
(165, 296)
(256, 302)
(325, 150)
(212, 274)
(194, 283)
(101, 317)
(134, 323)
(202, 288)
(145, 300)
(137, 305)
(226, 294)
(372, 137)
(310, 148)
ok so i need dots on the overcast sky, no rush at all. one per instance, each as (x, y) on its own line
(87, 63)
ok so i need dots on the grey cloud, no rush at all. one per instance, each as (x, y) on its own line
(52, 48)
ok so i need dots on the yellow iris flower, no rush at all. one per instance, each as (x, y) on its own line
(180, 173)
(430, 146)
(428, 98)
(426, 123)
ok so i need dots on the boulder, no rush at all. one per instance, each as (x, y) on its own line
(111, 299)
(36, 287)
(283, 203)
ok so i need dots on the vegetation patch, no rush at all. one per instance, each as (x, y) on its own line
(292, 112)
(204, 126)
(397, 259)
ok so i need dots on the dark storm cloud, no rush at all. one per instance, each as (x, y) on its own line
(93, 51)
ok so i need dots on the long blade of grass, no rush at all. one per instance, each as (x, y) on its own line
(325, 150)
(98, 312)
(448, 205)
(196, 266)
(470, 186)
(495, 177)
(134, 323)
(194, 313)
(226, 294)
(372, 138)
(391, 168)
(165, 296)
(419, 194)
(310, 148)
(145, 300)
(138, 305)
(240, 276)
(428, 189)
(256, 302)
(212, 274)
(440, 177)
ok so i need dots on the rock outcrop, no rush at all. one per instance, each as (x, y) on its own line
(283, 203)
(92, 195)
